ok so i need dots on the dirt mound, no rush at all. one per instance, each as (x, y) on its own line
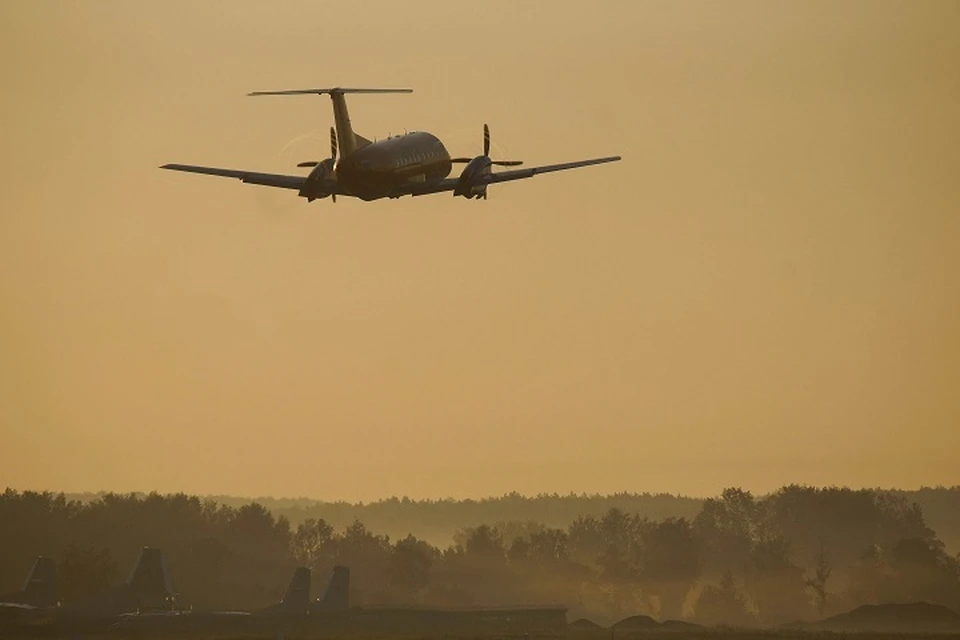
(584, 625)
(917, 617)
(636, 623)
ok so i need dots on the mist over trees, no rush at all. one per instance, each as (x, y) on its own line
(436, 521)
(800, 553)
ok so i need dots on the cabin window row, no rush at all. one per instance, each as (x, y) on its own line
(417, 157)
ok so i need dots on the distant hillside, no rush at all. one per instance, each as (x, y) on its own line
(437, 520)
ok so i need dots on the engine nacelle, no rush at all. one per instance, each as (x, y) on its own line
(471, 183)
(318, 181)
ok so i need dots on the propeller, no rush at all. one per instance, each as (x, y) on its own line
(486, 153)
(333, 151)
(330, 162)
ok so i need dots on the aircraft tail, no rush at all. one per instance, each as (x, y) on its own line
(297, 595)
(40, 589)
(349, 141)
(337, 596)
(149, 582)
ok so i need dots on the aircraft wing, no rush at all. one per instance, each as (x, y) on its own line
(250, 177)
(505, 176)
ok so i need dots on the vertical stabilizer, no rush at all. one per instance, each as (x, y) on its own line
(341, 118)
(297, 597)
(149, 583)
(40, 589)
(349, 141)
(337, 595)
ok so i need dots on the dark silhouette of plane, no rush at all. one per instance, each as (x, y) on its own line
(296, 599)
(40, 589)
(334, 613)
(337, 596)
(36, 600)
(294, 612)
(147, 589)
(412, 164)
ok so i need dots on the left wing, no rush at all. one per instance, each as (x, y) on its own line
(250, 177)
(450, 184)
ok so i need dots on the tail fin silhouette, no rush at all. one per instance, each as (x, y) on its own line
(297, 596)
(40, 589)
(337, 595)
(149, 582)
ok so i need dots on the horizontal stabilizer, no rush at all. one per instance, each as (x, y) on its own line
(332, 91)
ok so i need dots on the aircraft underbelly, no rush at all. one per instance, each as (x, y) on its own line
(371, 183)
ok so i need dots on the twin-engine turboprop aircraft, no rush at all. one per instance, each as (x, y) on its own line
(413, 164)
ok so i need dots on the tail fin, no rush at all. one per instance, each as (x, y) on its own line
(298, 592)
(149, 583)
(40, 589)
(349, 141)
(337, 595)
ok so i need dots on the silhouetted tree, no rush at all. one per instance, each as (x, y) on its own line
(670, 563)
(313, 544)
(727, 529)
(409, 568)
(85, 571)
(723, 605)
(776, 585)
(818, 583)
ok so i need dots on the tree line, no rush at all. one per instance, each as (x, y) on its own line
(436, 521)
(798, 553)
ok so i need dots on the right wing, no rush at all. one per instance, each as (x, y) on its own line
(449, 184)
(250, 177)
(520, 174)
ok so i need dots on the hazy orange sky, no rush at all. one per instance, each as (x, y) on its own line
(765, 290)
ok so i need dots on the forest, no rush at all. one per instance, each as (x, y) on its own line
(800, 553)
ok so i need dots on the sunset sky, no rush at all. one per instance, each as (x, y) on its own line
(765, 290)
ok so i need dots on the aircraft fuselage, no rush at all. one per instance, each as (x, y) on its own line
(380, 168)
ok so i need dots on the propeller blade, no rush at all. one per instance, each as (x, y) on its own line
(507, 163)
(311, 163)
(486, 140)
(333, 143)
(463, 160)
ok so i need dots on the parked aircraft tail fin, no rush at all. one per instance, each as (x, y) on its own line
(297, 595)
(149, 582)
(337, 595)
(40, 589)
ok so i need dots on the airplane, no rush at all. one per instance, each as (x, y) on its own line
(148, 588)
(35, 599)
(334, 614)
(413, 164)
(294, 611)
(337, 595)
(40, 589)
